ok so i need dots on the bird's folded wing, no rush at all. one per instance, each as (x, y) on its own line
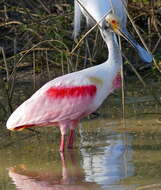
(56, 102)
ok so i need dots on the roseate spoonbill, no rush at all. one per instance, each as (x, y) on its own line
(95, 10)
(66, 99)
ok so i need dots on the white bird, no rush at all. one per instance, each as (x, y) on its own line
(95, 10)
(66, 99)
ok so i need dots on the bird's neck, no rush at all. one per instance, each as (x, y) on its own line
(114, 56)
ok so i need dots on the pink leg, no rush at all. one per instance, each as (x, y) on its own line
(62, 143)
(71, 139)
(73, 125)
(63, 129)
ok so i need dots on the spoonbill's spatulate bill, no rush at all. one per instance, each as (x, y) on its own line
(66, 99)
(95, 10)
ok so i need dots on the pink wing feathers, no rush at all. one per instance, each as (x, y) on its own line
(54, 102)
(69, 103)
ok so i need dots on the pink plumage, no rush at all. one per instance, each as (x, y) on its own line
(117, 81)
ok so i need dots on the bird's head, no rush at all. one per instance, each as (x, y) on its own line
(112, 24)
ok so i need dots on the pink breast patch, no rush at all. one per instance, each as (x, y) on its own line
(75, 91)
(117, 81)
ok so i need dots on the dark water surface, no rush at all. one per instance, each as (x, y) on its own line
(107, 155)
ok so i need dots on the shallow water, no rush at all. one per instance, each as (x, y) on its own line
(108, 154)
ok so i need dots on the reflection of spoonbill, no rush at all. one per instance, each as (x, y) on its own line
(66, 99)
(70, 177)
(95, 10)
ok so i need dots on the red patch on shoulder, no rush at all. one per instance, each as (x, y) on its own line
(75, 91)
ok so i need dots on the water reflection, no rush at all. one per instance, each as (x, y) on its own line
(109, 164)
(107, 157)
(102, 167)
(70, 177)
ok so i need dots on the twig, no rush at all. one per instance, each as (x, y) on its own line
(45, 8)
(5, 13)
(8, 77)
(156, 45)
(62, 64)
(34, 70)
(94, 46)
(88, 51)
(122, 85)
(47, 64)
(77, 60)
(10, 22)
(5, 63)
